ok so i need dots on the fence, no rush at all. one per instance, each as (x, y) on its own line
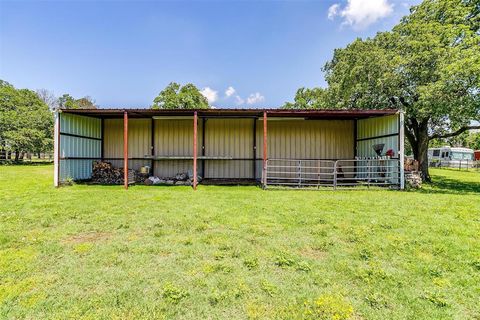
(318, 173)
(456, 164)
(8, 156)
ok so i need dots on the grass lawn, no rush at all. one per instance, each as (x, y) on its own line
(100, 252)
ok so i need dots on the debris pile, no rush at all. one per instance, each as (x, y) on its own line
(180, 179)
(104, 173)
(413, 180)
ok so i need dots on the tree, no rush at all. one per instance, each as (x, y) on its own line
(48, 98)
(316, 98)
(175, 96)
(428, 65)
(473, 141)
(66, 101)
(26, 123)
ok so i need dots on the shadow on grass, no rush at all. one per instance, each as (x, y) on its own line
(25, 163)
(441, 184)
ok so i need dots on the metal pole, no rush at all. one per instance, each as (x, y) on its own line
(335, 175)
(265, 153)
(56, 153)
(255, 149)
(125, 149)
(195, 150)
(152, 147)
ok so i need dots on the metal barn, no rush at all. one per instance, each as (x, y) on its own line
(274, 147)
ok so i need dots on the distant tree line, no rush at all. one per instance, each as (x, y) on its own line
(26, 119)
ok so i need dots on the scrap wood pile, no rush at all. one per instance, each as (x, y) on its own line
(104, 173)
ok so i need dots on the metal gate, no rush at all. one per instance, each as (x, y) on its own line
(300, 173)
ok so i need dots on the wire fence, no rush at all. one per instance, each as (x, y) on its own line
(456, 164)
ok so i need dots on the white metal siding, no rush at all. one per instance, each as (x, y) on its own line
(71, 146)
(374, 127)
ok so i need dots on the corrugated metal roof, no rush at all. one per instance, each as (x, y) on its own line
(304, 113)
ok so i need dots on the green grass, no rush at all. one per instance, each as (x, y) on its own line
(100, 252)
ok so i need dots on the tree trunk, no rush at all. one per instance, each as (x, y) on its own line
(417, 135)
(17, 155)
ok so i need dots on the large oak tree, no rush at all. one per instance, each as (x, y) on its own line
(428, 65)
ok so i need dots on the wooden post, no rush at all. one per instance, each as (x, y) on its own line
(195, 150)
(125, 149)
(265, 153)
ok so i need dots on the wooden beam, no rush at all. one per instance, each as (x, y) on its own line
(125, 149)
(195, 150)
(265, 148)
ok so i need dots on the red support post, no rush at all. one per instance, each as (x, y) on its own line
(195, 150)
(265, 153)
(125, 149)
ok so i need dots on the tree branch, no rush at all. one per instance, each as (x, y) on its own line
(453, 134)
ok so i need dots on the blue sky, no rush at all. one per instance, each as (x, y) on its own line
(240, 53)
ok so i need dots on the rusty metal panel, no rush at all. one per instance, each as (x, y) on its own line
(231, 138)
(377, 126)
(308, 139)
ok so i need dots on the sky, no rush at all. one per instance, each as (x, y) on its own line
(240, 54)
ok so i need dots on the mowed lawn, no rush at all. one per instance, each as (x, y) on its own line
(100, 252)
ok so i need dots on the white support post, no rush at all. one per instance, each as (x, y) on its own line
(56, 149)
(401, 149)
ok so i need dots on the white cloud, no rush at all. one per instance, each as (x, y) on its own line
(255, 98)
(210, 94)
(230, 91)
(239, 100)
(361, 13)
(333, 11)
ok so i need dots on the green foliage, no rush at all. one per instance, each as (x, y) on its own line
(26, 123)
(66, 101)
(175, 96)
(315, 98)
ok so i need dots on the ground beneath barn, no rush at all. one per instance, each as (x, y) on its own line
(236, 252)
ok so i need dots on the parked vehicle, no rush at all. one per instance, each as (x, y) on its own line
(453, 157)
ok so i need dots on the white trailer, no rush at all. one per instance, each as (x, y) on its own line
(451, 157)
